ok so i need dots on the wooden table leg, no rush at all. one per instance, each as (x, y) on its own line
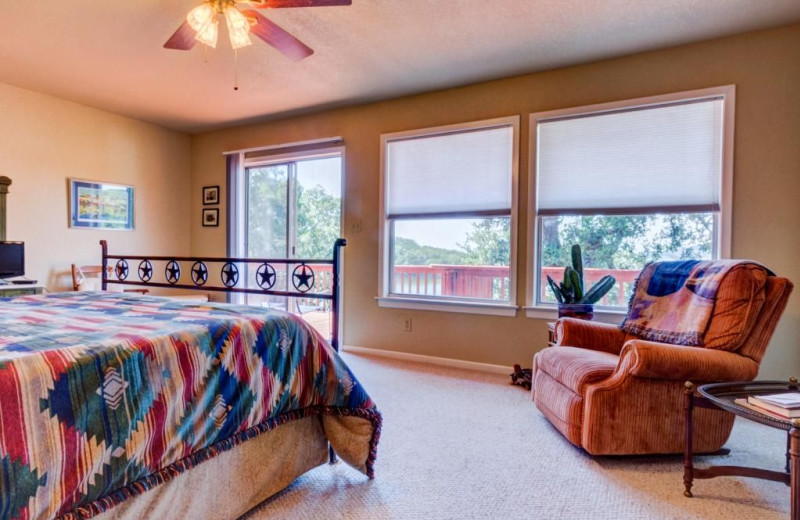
(688, 468)
(332, 459)
(794, 454)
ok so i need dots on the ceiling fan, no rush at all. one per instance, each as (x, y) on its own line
(202, 24)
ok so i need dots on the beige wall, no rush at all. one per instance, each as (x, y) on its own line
(766, 70)
(45, 140)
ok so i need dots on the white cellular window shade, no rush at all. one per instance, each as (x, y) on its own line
(647, 159)
(465, 173)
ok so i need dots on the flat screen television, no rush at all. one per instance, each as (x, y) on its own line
(12, 259)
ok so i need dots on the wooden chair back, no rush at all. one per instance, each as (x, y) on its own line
(81, 273)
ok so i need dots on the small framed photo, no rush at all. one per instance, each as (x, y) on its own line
(100, 205)
(211, 217)
(210, 195)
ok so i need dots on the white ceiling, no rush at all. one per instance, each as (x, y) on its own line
(109, 54)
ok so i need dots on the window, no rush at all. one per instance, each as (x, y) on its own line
(631, 182)
(448, 218)
(287, 204)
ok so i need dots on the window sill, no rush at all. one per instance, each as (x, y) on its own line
(490, 309)
(551, 313)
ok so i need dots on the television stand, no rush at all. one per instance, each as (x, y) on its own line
(9, 290)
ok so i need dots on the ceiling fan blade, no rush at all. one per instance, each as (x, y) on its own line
(277, 4)
(182, 39)
(271, 33)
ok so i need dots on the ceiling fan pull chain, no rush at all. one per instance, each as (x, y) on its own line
(236, 69)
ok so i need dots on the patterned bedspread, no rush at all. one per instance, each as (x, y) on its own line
(104, 395)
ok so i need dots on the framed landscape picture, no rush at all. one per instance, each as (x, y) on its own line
(100, 205)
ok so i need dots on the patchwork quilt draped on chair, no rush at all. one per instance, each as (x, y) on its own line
(672, 302)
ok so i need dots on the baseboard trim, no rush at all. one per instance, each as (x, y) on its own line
(431, 360)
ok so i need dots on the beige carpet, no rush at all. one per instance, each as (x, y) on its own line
(459, 445)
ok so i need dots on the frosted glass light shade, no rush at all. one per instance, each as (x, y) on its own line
(661, 158)
(238, 28)
(201, 16)
(208, 35)
(461, 173)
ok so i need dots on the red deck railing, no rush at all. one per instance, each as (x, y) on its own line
(473, 281)
(492, 282)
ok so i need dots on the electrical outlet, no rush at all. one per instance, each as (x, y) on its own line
(407, 325)
(355, 225)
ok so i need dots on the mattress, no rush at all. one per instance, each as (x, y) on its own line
(104, 396)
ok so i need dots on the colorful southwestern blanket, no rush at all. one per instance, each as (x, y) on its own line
(105, 395)
(672, 302)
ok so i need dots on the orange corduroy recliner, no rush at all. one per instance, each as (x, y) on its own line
(613, 393)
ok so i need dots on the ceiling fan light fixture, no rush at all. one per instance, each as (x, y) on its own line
(208, 34)
(201, 16)
(238, 28)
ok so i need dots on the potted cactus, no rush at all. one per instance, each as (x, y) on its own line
(573, 300)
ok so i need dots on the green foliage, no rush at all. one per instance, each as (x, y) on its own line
(601, 237)
(266, 212)
(318, 216)
(571, 290)
(409, 252)
(626, 242)
(318, 222)
(489, 242)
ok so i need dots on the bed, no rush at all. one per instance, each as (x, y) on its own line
(120, 405)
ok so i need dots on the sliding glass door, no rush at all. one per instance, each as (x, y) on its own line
(267, 219)
(293, 209)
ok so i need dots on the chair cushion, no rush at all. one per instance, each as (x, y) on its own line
(739, 301)
(575, 368)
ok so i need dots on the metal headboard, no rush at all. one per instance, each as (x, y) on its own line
(302, 277)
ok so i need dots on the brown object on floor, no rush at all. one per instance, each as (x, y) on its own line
(84, 273)
(613, 393)
(521, 376)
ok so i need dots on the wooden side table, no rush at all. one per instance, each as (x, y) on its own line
(551, 334)
(723, 396)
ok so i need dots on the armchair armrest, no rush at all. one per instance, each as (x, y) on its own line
(592, 335)
(650, 359)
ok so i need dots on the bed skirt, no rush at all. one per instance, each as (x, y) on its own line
(234, 481)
